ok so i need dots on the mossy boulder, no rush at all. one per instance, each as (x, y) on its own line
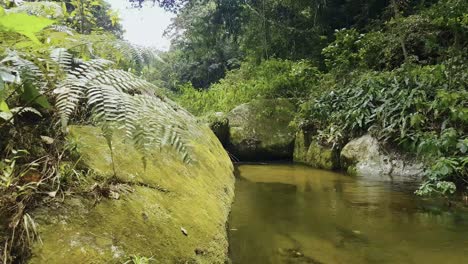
(260, 130)
(168, 210)
(366, 157)
(310, 152)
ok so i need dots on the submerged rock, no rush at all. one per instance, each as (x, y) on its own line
(310, 152)
(260, 130)
(365, 157)
(154, 203)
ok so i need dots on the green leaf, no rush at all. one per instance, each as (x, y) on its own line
(462, 147)
(4, 107)
(2, 11)
(31, 93)
(64, 7)
(24, 24)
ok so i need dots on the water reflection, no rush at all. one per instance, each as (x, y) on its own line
(294, 214)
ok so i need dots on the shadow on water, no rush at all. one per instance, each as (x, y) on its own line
(294, 214)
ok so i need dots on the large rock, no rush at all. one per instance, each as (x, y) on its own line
(260, 130)
(169, 210)
(312, 153)
(365, 157)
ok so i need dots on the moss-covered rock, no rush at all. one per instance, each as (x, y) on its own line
(169, 210)
(312, 153)
(365, 157)
(260, 130)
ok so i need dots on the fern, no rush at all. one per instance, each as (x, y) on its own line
(22, 110)
(44, 9)
(126, 54)
(61, 28)
(117, 98)
(138, 54)
(25, 70)
(62, 57)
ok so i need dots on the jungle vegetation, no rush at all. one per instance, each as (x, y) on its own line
(396, 69)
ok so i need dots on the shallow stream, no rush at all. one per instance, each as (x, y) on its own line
(295, 214)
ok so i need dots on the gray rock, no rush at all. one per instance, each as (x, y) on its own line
(365, 157)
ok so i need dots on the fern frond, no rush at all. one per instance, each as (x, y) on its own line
(122, 81)
(104, 102)
(136, 55)
(161, 119)
(26, 70)
(22, 110)
(61, 28)
(130, 52)
(117, 98)
(69, 93)
(72, 89)
(62, 57)
(142, 117)
(44, 9)
(89, 75)
(126, 53)
(90, 69)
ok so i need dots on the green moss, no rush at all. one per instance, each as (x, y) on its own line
(300, 147)
(351, 170)
(310, 152)
(146, 222)
(260, 130)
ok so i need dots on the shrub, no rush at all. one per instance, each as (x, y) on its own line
(271, 79)
(421, 109)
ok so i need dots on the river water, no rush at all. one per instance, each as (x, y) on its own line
(295, 214)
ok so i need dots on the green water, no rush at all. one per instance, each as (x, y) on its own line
(295, 214)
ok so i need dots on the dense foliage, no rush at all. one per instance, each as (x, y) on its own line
(395, 69)
(270, 79)
(212, 36)
(417, 103)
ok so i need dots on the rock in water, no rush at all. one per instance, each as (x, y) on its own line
(365, 157)
(260, 130)
(310, 152)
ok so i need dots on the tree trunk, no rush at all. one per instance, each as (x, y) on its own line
(402, 39)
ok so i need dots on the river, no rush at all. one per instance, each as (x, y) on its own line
(295, 214)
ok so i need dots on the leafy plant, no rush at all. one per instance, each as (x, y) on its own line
(24, 24)
(118, 97)
(414, 107)
(270, 79)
